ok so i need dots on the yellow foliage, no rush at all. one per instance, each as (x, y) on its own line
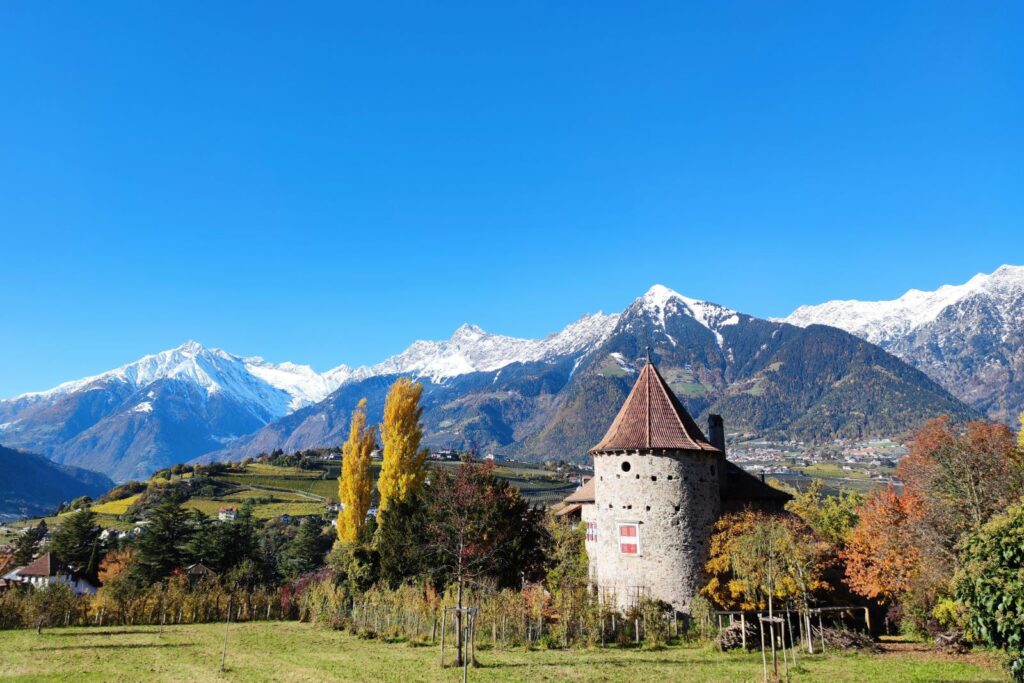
(355, 485)
(1020, 434)
(738, 558)
(404, 464)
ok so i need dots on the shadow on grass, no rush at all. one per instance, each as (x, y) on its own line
(108, 632)
(112, 646)
(598, 662)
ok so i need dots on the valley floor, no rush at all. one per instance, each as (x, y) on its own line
(290, 651)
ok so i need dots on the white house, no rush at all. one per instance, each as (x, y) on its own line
(46, 570)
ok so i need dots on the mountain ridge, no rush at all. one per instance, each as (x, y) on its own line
(530, 397)
(969, 338)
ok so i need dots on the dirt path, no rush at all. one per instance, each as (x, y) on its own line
(900, 647)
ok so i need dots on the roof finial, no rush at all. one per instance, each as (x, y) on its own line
(648, 354)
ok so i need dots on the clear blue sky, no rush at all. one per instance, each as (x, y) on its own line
(324, 182)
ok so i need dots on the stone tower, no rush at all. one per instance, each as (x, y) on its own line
(657, 496)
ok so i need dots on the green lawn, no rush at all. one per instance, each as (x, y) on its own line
(324, 488)
(289, 651)
(211, 507)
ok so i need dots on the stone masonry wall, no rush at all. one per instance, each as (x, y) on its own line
(674, 500)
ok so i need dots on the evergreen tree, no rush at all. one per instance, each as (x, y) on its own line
(27, 546)
(306, 551)
(222, 546)
(355, 485)
(404, 465)
(163, 545)
(76, 543)
(399, 541)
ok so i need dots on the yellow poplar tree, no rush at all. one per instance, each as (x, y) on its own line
(1020, 434)
(404, 462)
(355, 485)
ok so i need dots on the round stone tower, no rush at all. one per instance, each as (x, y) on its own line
(656, 500)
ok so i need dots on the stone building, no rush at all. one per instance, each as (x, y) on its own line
(658, 488)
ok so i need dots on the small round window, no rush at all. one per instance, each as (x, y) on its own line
(625, 466)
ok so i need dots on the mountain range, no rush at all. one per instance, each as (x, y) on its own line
(33, 485)
(531, 398)
(969, 338)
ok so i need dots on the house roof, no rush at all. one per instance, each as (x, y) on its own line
(744, 486)
(568, 510)
(44, 565)
(652, 418)
(584, 494)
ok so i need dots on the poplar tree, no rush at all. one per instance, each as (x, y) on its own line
(355, 485)
(401, 433)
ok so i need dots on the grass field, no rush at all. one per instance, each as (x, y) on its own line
(115, 507)
(210, 508)
(289, 651)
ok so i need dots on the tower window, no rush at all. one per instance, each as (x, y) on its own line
(653, 478)
(625, 466)
(629, 539)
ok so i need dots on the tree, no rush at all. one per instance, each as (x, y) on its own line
(76, 542)
(115, 563)
(882, 555)
(756, 558)
(48, 605)
(26, 547)
(223, 545)
(832, 518)
(962, 478)
(955, 479)
(1020, 434)
(991, 584)
(404, 466)
(399, 541)
(355, 485)
(163, 545)
(478, 526)
(306, 551)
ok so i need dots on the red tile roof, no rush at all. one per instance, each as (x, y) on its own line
(44, 565)
(652, 418)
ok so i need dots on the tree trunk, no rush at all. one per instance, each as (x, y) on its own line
(459, 641)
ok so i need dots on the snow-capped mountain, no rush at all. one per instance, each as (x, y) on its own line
(471, 349)
(542, 399)
(272, 390)
(160, 409)
(527, 396)
(969, 337)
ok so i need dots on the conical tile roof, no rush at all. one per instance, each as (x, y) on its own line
(652, 418)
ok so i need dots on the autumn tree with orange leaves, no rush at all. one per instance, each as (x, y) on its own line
(904, 550)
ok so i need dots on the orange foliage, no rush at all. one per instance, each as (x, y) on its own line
(114, 563)
(881, 556)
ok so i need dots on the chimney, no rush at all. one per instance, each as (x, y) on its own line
(716, 436)
(716, 432)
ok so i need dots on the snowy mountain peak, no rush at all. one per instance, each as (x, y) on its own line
(880, 322)
(660, 302)
(471, 349)
(272, 390)
(191, 346)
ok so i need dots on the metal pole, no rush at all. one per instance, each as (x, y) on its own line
(224, 654)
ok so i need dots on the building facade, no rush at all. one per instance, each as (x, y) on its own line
(658, 488)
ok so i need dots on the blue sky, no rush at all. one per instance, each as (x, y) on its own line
(327, 182)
